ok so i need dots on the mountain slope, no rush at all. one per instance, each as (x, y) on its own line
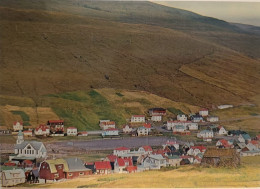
(55, 47)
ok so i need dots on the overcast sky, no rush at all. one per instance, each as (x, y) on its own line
(238, 12)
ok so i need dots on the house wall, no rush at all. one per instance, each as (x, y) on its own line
(12, 181)
(45, 172)
(156, 118)
(138, 119)
(71, 175)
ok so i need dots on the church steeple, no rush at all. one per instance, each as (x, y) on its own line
(19, 137)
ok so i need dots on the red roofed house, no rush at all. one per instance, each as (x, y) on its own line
(255, 143)
(72, 131)
(138, 119)
(56, 126)
(107, 124)
(195, 150)
(222, 143)
(27, 133)
(157, 111)
(27, 164)
(83, 133)
(131, 169)
(103, 167)
(42, 130)
(121, 151)
(145, 149)
(148, 126)
(121, 164)
(204, 112)
(17, 126)
(111, 158)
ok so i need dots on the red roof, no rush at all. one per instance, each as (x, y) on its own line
(27, 131)
(138, 116)
(185, 157)
(18, 122)
(108, 123)
(171, 142)
(177, 121)
(131, 168)
(42, 127)
(111, 129)
(122, 161)
(71, 128)
(160, 151)
(56, 121)
(147, 125)
(9, 163)
(89, 163)
(122, 148)
(224, 143)
(112, 157)
(103, 165)
(84, 132)
(253, 142)
(201, 148)
(147, 148)
(204, 109)
(28, 162)
(258, 136)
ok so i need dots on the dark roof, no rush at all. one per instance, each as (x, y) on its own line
(157, 109)
(75, 164)
(36, 145)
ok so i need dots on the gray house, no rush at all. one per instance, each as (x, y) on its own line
(12, 177)
(154, 161)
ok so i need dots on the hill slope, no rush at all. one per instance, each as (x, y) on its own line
(53, 47)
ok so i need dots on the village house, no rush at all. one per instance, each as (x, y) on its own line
(121, 164)
(244, 138)
(225, 106)
(196, 118)
(91, 165)
(57, 169)
(170, 143)
(110, 132)
(206, 135)
(156, 118)
(222, 143)
(18, 126)
(72, 131)
(236, 132)
(174, 160)
(145, 149)
(148, 126)
(138, 119)
(56, 126)
(42, 130)
(212, 119)
(197, 160)
(142, 131)
(220, 157)
(195, 150)
(157, 111)
(179, 129)
(127, 129)
(182, 117)
(222, 130)
(83, 133)
(112, 158)
(250, 150)
(107, 124)
(103, 167)
(28, 133)
(193, 126)
(4, 130)
(154, 161)
(28, 149)
(12, 177)
(171, 124)
(121, 151)
(204, 112)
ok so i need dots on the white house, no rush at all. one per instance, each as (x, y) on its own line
(244, 138)
(72, 131)
(142, 131)
(127, 129)
(207, 135)
(12, 177)
(27, 133)
(121, 151)
(138, 119)
(204, 112)
(182, 117)
(145, 149)
(154, 161)
(17, 126)
(195, 150)
(121, 164)
(110, 132)
(107, 124)
(225, 106)
(179, 128)
(222, 131)
(156, 118)
(28, 149)
(212, 119)
(43, 130)
(193, 126)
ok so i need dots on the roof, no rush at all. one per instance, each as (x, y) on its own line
(54, 162)
(147, 125)
(75, 164)
(174, 157)
(147, 148)
(21, 123)
(171, 142)
(56, 121)
(14, 174)
(108, 123)
(225, 143)
(71, 128)
(246, 136)
(28, 162)
(139, 128)
(103, 165)
(36, 145)
(122, 148)
(131, 168)
(157, 156)
(179, 126)
(42, 127)
(157, 109)
(201, 148)
(206, 131)
(204, 109)
(111, 129)
(112, 157)
(254, 142)
(28, 131)
(219, 152)
(3, 128)
(138, 116)
(122, 161)
(177, 121)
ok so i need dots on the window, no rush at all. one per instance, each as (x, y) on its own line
(56, 175)
(70, 174)
(81, 173)
(59, 166)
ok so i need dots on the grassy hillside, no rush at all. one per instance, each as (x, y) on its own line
(84, 109)
(186, 176)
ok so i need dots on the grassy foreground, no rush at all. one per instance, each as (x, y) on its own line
(186, 176)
